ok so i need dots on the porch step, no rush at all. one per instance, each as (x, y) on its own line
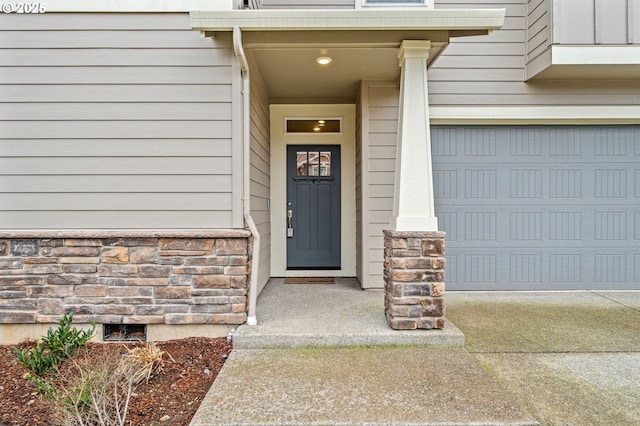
(376, 333)
(336, 315)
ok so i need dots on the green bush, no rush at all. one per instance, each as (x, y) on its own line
(59, 344)
(64, 341)
(86, 391)
(37, 359)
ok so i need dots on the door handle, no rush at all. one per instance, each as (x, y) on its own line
(289, 225)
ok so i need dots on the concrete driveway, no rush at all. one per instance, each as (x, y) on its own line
(569, 358)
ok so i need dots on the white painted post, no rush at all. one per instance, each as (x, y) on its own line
(413, 204)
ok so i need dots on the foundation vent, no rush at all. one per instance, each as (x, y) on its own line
(124, 332)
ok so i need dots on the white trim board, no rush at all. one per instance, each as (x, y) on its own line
(356, 19)
(279, 142)
(619, 114)
(595, 55)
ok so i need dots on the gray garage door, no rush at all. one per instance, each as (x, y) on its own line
(529, 208)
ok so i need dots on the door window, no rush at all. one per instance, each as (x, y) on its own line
(313, 163)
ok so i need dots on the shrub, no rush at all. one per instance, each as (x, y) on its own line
(64, 341)
(59, 344)
(94, 390)
(88, 390)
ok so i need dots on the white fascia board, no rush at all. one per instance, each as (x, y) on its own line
(595, 55)
(135, 5)
(356, 19)
(620, 114)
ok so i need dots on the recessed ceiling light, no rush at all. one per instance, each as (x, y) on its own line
(324, 60)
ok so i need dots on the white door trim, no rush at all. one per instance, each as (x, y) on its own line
(279, 142)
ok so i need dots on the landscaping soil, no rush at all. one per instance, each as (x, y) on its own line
(169, 398)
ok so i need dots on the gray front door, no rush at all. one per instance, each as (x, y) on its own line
(313, 207)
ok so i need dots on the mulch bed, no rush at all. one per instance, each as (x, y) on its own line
(170, 398)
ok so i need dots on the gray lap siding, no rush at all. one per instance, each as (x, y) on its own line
(114, 121)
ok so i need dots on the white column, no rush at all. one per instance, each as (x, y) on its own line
(413, 205)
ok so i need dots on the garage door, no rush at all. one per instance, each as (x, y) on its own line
(529, 208)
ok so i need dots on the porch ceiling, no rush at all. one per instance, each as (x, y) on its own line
(292, 75)
(363, 44)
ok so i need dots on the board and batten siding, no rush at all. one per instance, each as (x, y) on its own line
(379, 105)
(260, 176)
(114, 121)
(489, 71)
(578, 23)
(596, 22)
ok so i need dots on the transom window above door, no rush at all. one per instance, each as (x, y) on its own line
(313, 125)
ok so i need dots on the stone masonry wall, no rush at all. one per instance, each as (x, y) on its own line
(414, 274)
(125, 278)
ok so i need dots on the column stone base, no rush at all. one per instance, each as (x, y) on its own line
(414, 277)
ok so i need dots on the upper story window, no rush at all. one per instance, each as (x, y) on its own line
(397, 2)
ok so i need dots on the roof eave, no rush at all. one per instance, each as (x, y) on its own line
(357, 19)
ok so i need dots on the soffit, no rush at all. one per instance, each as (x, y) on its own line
(287, 61)
(283, 44)
(591, 62)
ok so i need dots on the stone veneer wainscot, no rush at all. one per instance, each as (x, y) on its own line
(414, 274)
(125, 277)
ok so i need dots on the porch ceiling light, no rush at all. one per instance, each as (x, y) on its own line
(323, 60)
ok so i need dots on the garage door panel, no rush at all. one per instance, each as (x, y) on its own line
(527, 269)
(528, 208)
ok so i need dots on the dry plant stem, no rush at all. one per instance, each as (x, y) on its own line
(121, 414)
(145, 361)
(176, 392)
(97, 391)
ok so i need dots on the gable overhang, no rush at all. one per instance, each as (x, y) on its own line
(363, 43)
(483, 20)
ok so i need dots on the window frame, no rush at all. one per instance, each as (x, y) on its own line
(338, 119)
(407, 3)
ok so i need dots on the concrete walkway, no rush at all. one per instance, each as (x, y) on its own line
(528, 358)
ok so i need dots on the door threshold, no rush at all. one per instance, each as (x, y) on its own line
(314, 273)
(310, 280)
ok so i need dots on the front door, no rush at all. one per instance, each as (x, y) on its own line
(313, 207)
